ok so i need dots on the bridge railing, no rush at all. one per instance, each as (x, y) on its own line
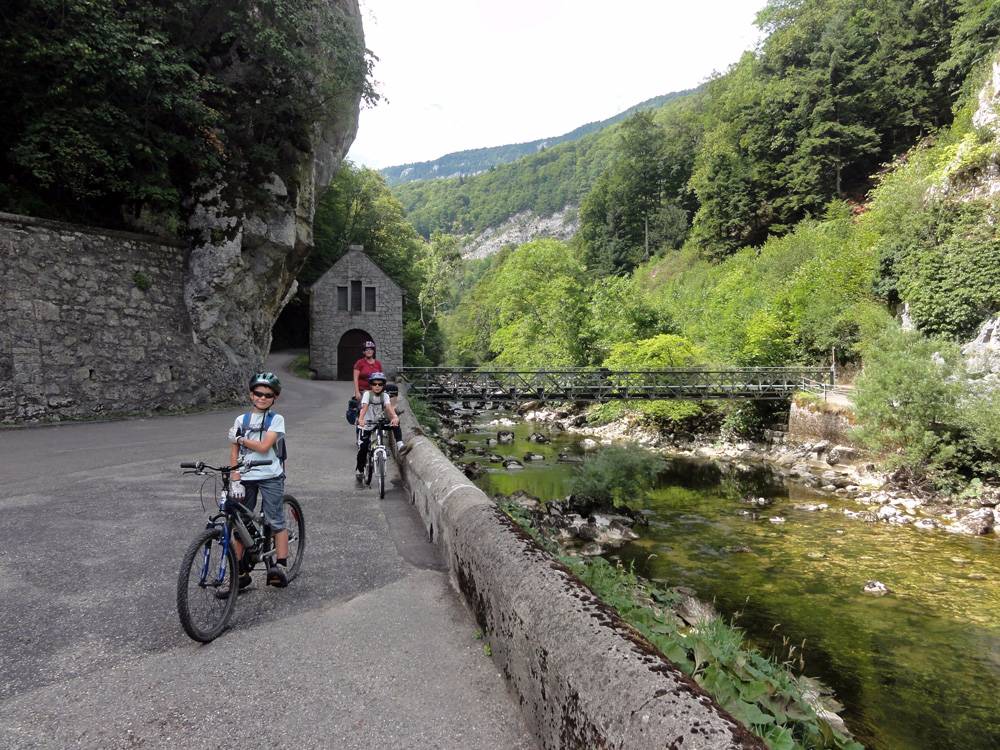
(466, 383)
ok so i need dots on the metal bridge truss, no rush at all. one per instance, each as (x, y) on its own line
(469, 384)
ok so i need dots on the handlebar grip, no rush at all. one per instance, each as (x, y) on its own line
(189, 465)
(251, 464)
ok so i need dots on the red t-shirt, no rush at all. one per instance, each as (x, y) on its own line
(366, 368)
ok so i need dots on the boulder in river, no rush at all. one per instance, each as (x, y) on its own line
(505, 437)
(513, 464)
(537, 437)
(533, 457)
(473, 470)
(566, 458)
(876, 588)
(976, 523)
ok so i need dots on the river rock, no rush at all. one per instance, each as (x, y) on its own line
(876, 588)
(494, 458)
(533, 457)
(758, 502)
(928, 524)
(566, 458)
(505, 437)
(512, 464)
(528, 406)
(734, 549)
(776, 519)
(811, 506)
(977, 523)
(537, 437)
(694, 611)
(473, 470)
(588, 444)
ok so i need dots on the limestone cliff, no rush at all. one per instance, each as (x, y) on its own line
(250, 244)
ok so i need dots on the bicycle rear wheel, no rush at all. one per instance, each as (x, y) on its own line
(369, 468)
(295, 522)
(207, 586)
(380, 470)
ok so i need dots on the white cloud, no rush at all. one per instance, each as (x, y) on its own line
(465, 74)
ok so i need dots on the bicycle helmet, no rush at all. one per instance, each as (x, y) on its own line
(376, 377)
(266, 378)
(368, 345)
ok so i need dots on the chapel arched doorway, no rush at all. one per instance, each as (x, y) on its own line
(349, 351)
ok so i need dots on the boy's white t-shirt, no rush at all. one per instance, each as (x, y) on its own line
(254, 433)
(371, 416)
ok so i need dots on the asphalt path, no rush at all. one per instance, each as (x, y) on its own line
(369, 647)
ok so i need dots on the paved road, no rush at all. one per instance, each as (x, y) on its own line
(368, 648)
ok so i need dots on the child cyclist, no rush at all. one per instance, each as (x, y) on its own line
(253, 437)
(374, 403)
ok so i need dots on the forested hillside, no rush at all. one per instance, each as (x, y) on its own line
(474, 161)
(788, 209)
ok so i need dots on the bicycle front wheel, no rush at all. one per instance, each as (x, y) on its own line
(295, 522)
(207, 586)
(369, 468)
(380, 471)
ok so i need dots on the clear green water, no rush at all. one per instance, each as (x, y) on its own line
(919, 668)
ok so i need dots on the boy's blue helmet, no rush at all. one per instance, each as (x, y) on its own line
(376, 377)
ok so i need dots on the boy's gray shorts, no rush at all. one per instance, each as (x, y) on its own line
(273, 492)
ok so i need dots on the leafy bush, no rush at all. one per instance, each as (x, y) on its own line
(908, 401)
(618, 476)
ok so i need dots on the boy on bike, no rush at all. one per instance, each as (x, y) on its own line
(253, 437)
(374, 403)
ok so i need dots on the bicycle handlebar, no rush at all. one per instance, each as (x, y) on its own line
(201, 466)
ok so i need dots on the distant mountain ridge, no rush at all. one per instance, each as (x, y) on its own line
(474, 161)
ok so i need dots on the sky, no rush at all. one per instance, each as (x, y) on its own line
(461, 74)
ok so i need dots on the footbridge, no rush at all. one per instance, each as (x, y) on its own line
(692, 384)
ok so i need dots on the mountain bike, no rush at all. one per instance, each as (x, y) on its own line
(208, 583)
(377, 455)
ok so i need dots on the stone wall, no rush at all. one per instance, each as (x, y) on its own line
(810, 422)
(583, 677)
(94, 323)
(328, 323)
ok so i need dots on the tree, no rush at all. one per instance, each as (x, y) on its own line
(438, 266)
(632, 210)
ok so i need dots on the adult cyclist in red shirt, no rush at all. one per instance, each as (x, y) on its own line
(364, 367)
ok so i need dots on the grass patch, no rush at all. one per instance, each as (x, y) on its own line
(423, 413)
(300, 366)
(765, 695)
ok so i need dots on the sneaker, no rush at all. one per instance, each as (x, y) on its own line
(358, 475)
(276, 576)
(402, 448)
(245, 580)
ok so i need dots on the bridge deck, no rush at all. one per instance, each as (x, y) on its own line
(753, 383)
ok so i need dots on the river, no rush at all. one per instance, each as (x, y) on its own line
(917, 668)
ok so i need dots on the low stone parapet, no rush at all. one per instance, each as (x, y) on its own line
(583, 676)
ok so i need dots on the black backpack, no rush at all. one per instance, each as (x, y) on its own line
(279, 446)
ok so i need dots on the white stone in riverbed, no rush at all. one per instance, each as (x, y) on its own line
(876, 588)
(776, 519)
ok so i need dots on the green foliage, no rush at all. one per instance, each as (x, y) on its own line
(908, 401)
(632, 211)
(300, 366)
(142, 281)
(948, 267)
(114, 108)
(423, 413)
(618, 311)
(526, 313)
(618, 476)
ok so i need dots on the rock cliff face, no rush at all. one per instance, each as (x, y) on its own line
(250, 244)
(521, 228)
(974, 172)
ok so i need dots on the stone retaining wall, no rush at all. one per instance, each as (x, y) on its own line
(806, 424)
(92, 323)
(584, 678)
